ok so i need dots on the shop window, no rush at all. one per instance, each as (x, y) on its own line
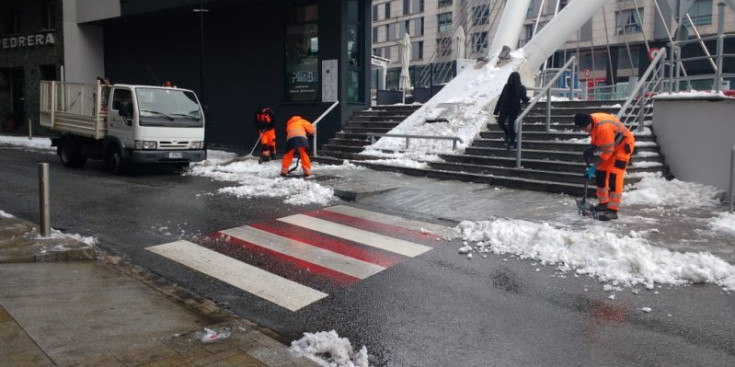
(302, 54)
(444, 21)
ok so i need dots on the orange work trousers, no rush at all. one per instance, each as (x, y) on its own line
(268, 143)
(609, 179)
(305, 161)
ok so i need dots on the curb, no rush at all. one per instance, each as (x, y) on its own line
(20, 242)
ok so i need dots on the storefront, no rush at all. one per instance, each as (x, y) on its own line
(298, 57)
(30, 50)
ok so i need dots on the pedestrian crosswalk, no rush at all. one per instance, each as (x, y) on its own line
(297, 260)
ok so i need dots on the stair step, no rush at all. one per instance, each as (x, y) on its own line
(555, 145)
(554, 135)
(555, 155)
(533, 164)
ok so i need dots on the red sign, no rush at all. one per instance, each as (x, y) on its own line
(653, 53)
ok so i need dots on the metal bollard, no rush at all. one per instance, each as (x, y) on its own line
(30, 130)
(43, 193)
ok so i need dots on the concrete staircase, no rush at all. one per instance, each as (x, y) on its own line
(551, 161)
(353, 137)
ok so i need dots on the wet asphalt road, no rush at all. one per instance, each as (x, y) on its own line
(439, 309)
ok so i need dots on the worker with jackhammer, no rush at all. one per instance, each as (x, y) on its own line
(297, 131)
(616, 144)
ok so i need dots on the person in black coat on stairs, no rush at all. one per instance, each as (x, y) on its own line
(509, 106)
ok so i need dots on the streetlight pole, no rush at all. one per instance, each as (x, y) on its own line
(201, 12)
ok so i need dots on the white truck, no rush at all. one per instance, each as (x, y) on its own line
(123, 124)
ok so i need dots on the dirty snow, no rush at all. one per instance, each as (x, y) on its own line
(328, 349)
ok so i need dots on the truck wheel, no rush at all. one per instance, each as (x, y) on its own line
(69, 154)
(114, 161)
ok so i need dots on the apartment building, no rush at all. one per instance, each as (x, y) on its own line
(615, 45)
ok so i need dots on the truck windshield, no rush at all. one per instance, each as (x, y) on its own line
(168, 107)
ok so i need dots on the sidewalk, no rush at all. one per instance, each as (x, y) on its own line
(63, 303)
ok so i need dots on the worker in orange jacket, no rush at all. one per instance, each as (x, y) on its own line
(297, 131)
(616, 144)
(266, 125)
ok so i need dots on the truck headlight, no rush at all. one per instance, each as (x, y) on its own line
(197, 144)
(146, 145)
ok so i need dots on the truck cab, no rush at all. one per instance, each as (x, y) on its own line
(152, 125)
(123, 124)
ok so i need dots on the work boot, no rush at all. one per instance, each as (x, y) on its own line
(600, 207)
(608, 215)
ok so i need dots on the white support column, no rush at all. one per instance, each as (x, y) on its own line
(554, 34)
(510, 26)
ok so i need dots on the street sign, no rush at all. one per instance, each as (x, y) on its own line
(653, 53)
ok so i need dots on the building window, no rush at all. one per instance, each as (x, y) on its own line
(421, 6)
(375, 13)
(480, 14)
(444, 21)
(406, 7)
(387, 10)
(419, 24)
(302, 53)
(10, 21)
(417, 50)
(700, 12)
(479, 42)
(531, 9)
(406, 28)
(49, 15)
(627, 21)
(375, 34)
(378, 52)
(444, 46)
(443, 3)
(626, 60)
(354, 52)
(386, 52)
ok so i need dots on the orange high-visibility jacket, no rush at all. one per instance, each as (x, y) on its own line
(609, 134)
(297, 126)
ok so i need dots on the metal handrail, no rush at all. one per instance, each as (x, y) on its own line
(536, 98)
(655, 64)
(408, 137)
(319, 119)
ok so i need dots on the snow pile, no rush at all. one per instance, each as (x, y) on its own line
(23, 141)
(5, 215)
(465, 105)
(328, 349)
(262, 180)
(724, 223)
(55, 234)
(627, 260)
(654, 190)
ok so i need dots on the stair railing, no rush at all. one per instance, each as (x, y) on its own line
(319, 119)
(648, 85)
(534, 100)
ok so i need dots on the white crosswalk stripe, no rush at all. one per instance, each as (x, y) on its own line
(315, 255)
(357, 235)
(284, 292)
(390, 219)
